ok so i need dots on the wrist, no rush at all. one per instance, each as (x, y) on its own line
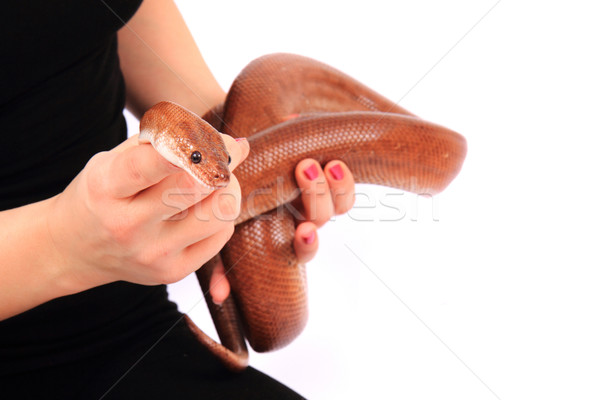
(33, 271)
(65, 272)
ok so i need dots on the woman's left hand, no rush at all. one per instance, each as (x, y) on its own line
(326, 192)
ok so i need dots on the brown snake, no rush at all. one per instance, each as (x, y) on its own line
(291, 108)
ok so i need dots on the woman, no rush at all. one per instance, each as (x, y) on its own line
(86, 244)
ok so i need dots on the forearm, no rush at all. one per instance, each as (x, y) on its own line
(160, 61)
(32, 271)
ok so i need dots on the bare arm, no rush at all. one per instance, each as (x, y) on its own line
(31, 270)
(160, 61)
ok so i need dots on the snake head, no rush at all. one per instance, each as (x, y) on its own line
(187, 141)
(207, 161)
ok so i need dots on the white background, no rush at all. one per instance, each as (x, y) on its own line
(491, 290)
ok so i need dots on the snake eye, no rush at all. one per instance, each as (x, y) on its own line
(196, 157)
(229, 160)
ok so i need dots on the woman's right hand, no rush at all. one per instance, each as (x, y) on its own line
(131, 215)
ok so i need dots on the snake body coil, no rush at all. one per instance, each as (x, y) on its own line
(290, 108)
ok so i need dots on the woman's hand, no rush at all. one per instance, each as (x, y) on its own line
(167, 65)
(131, 215)
(326, 192)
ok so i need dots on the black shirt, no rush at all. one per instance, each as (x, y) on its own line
(61, 101)
(61, 92)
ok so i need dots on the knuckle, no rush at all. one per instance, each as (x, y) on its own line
(153, 257)
(156, 264)
(228, 206)
(322, 219)
(343, 201)
(319, 215)
(325, 213)
(188, 189)
(95, 185)
(174, 271)
(229, 231)
(185, 182)
(342, 209)
(318, 208)
(221, 239)
(96, 181)
(160, 269)
(316, 189)
(169, 275)
(133, 171)
(98, 159)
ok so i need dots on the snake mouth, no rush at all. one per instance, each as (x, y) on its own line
(209, 179)
(214, 175)
(220, 179)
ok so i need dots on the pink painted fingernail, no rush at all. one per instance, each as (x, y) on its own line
(239, 139)
(337, 172)
(290, 116)
(311, 172)
(310, 238)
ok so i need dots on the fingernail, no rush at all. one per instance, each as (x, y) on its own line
(290, 116)
(239, 139)
(310, 238)
(311, 172)
(337, 172)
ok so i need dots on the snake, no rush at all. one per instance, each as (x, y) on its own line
(290, 107)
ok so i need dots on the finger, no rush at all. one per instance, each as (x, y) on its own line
(219, 285)
(238, 150)
(204, 219)
(172, 196)
(315, 196)
(193, 257)
(181, 191)
(306, 241)
(196, 255)
(136, 168)
(341, 183)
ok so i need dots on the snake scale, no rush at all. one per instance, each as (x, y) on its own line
(290, 108)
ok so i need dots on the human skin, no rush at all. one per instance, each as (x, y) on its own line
(111, 222)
